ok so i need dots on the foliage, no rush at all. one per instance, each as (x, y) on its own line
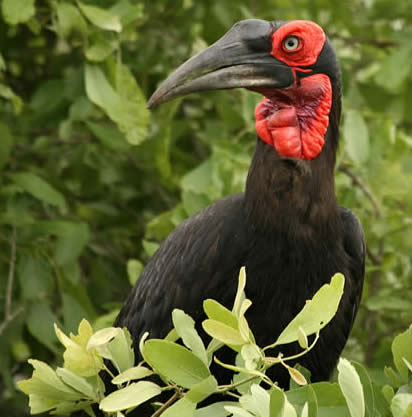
(185, 369)
(83, 207)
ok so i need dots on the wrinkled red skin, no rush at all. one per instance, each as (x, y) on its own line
(295, 120)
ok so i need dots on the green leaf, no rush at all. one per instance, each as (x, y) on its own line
(39, 320)
(202, 390)
(70, 20)
(127, 108)
(8, 94)
(71, 245)
(134, 269)
(77, 382)
(223, 332)
(252, 356)
(39, 188)
(181, 408)
(351, 387)
(257, 401)
(316, 313)
(17, 11)
(6, 144)
(356, 135)
(215, 410)
(35, 277)
(46, 384)
(101, 18)
(185, 327)
(109, 136)
(277, 403)
(238, 411)
(218, 312)
(400, 403)
(402, 349)
(131, 396)
(395, 68)
(175, 362)
(369, 395)
(137, 372)
(240, 293)
(121, 351)
(100, 49)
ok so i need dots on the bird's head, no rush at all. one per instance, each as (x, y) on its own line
(291, 63)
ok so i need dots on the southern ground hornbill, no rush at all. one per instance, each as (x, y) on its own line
(287, 228)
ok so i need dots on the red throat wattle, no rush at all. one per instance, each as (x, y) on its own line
(294, 120)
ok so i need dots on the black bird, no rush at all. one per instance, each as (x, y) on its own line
(287, 227)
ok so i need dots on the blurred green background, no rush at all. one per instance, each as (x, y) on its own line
(91, 182)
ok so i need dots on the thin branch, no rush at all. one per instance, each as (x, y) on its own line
(364, 187)
(10, 280)
(7, 320)
(9, 316)
(167, 404)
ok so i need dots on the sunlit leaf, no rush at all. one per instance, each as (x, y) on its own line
(351, 387)
(316, 313)
(131, 396)
(102, 18)
(175, 362)
(185, 327)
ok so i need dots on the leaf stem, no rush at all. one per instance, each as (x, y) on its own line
(273, 361)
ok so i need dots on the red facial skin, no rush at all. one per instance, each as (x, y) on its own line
(295, 120)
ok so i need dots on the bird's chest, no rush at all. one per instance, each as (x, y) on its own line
(281, 276)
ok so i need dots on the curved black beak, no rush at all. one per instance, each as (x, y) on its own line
(241, 58)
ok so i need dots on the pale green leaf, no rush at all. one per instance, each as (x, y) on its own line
(394, 69)
(46, 384)
(401, 350)
(131, 396)
(351, 387)
(223, 332)
(277, 402)
(215, 410)
(185, 327)
(316, 313)
(356, 136)
(134, 269)
(77, 382)
(218, 312)
(137, 372)
(101, 18)
(69, 20)
(400, 403)
(127, 108)
(175, 362)
(17, 11)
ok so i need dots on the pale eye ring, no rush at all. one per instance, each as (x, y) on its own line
(291, 43)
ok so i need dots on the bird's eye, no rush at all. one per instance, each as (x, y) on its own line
(291, 43)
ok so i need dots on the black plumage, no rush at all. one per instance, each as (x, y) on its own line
(287, 228)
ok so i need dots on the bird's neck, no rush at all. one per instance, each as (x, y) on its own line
(294, 197)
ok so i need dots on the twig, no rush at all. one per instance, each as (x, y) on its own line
(364, 187)
(9, 316)
(10, 280)
(167, 404)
